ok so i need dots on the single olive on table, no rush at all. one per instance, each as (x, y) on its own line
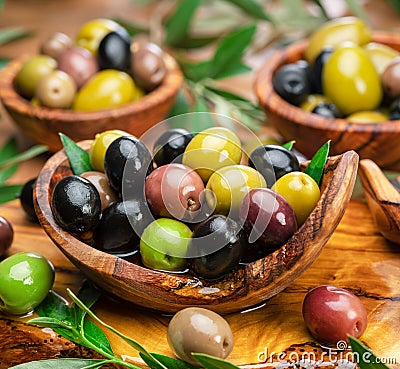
(103, 68)
(204, 216)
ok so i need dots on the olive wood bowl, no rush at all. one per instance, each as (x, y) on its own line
(377, 141)
(383, 199)
(244, 287)
(43, 124)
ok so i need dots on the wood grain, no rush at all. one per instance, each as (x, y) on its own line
(243, 288)
(375, 141)
(356, 257)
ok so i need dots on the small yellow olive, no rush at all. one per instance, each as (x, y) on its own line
(381, 55)
(367, 117)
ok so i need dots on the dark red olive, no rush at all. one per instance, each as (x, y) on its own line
(6, 235)
(331, 313)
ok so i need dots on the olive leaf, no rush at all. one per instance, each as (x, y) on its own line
(8, 34)
(211, 362)
(78, 158)
(252, 8)
(8, 151)
(9, 193)
(169, 362)
(315, 168)
(26, 155)
(288, 145)
(366, 358)
(181, 105)
(63, 364)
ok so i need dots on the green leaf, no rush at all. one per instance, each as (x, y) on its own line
(189, 42)
(366, 358)
(54, 306)
(177, 25)
(288, 145)
(46, 321)
(202, 120)
(356, 8)
(63, 364)
(78, 158)
(96, 336)
(88, 294)
(197, 71)
(211, 362)
(322, 8)
(4, 62)
(316, 167)
(9, 193)
(8, 151)
(230, 50)
(181, 105)
(26, 155)
(252, 8)
(234, 70)
(8, 34)
(132, 28)
(169, 362)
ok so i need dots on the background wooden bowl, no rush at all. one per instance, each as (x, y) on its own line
(245, 287)
(377, 141)
(43, 124)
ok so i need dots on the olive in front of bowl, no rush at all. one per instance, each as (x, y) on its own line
(26, 199)
(127, 162)
(216, 247)
(273, 162)
(121, 226)
(76, 204)
(331, 313)
(6, 235)
(291, 82)
(171, 145)
(199, 330)
(114, 51)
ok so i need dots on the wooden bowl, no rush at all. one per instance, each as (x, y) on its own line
(244, 287)
(377, 141)
(383, 199)
(42, 124)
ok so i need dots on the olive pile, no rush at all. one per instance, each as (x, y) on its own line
(190, 204)
(103, 69)
(344, 75)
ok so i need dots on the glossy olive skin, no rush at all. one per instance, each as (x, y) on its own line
(381, 55)
(352, 88)
(56, 90)
(79, 63)
(316, 69)
(171, 145)
(312, 101)
(55, 44)
(114, 51)
(99, 180)
(220, 243)
(174, 190)
(164, 244)
(291, 82)
(367, 117)
(121, 226)
(273, 162)
(300, 191)
(327, 110)
(76, 204)
(6, 235)
(130, 154)
(331, 313)
(25, 280)
(198, 330)
(99, 146)
(26, 199)
(269, 221)
(390, 79)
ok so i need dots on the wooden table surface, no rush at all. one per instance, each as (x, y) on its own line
(356, 257)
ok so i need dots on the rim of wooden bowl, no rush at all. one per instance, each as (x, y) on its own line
(247, 286)
(50, 118)
(275, 105)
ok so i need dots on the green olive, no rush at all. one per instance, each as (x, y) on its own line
(367, 117)
(312, 101)
(31, 73)
(25, 281)
(211, 150)
(334, 33)
(351, 81)
(381, 55)
(106, 89)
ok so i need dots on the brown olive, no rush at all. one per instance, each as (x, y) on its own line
(198, 330)
(147, 64)
(6, 235)
(56, 90)
(99, 180)
(390, 78)
(56, 44)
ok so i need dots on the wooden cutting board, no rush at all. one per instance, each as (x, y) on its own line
(356, 258)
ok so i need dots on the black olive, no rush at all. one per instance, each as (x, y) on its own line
(26, 199)
(273, 162)
(114, 51)
(327, 110)
(292, 83)
(76, 204)
(170, 146)
(121, 225)
(127, 162)
(217, 246)
(317, 68)
(394, 111)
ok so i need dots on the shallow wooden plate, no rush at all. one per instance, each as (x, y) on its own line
(243, 288)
